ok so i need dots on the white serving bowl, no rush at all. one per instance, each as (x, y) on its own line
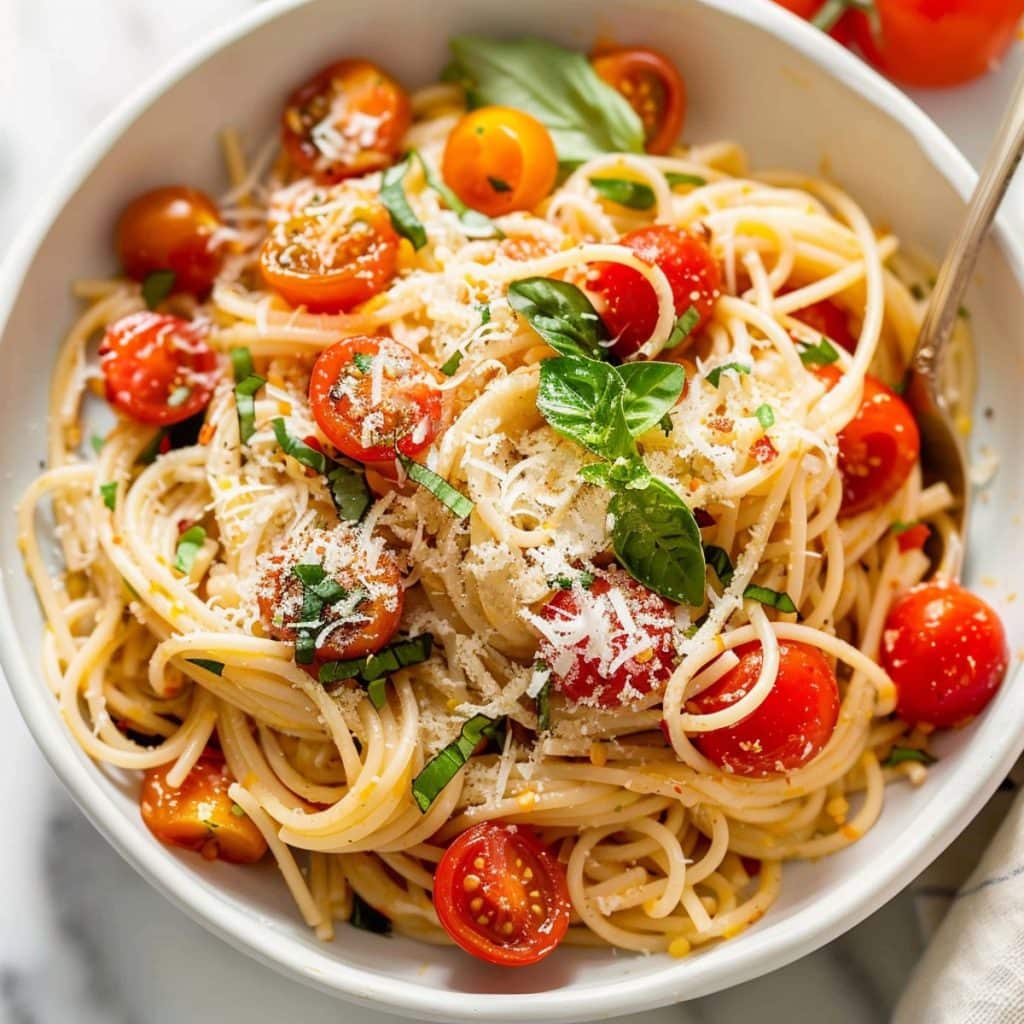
(755, 74)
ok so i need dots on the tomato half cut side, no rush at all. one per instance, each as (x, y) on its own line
(502, 895)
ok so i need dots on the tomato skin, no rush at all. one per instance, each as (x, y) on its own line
(654, 88)
(489, 863)
(878, 448)
(913, 538)
(586, 679)
(946, 651)
(497, 160)
(198, 815)
(364, 258)
(369, 113)
(147, 358)
(828, 319)
(792, 724)
(630, 308)
(171, 228)
(411, 405)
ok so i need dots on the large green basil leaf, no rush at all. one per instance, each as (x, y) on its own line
(561, 314)
(652, 389)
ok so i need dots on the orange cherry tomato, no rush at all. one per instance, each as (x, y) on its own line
(501, 895)
(497, 160)
(347, 120)
(945, 649)
(366, 412)
(654, 89)
(878, 448)
(331, 262)
(828, 319)
(157, 368)
(172, 228)
(789, 728)
(199, 815)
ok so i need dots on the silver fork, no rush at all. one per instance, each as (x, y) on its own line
(943, 455)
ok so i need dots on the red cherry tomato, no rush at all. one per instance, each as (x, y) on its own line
(331, 262)
(407, 413)
(501, 895)
(878, 448)
(630, 308)
(587, 637)
(828, 319)
(654, 89)
(347, 120)
(173, 229)
(157, 368)
(789, 728)
(913, 538)
(945, 649)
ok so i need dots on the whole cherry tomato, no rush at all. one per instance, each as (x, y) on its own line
(828, 319)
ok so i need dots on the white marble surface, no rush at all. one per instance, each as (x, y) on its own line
(83, 940)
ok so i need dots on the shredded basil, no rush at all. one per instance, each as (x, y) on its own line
(651, 390)
(714, 376)
(772, 598)
(484, 309)
(298, 450)
(544, 703)
(900, 755)
(683, 327)
(452, 363)
(633, 194)
(396, 202)
(821, 354)
(377, 691)
(444, 766)
(190, 543)
(245, 403)
(349, 491)
(584, 579)
(97, 443)
(474, 223)
(719, 560)
(363, 362)
(681, 178)
(156, 286)
(216, 667)
(241, 363)
(765, 416)
(399, 655)
(108, 492)
(456, 502)
(561, 314)
(900, 527)
(368, 918)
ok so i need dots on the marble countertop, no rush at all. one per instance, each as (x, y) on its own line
(83, 939)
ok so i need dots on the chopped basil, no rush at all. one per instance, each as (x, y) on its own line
(584, 579)
(363, 362)
(316, 581)
(190, 543)
(561, 314)
(376, 690)
(772, 598)
(499, 184)
(719, 560)
(368, 918)
(714, 376)
(484, 309)
(452, 363)
(349, 491)
(245, 391)
(625, 471)
(633, 194)
(298, 450)
(396, 202)
(216, 667)
(319, 591)
(544, 706)
(475, 223)
(900, 527)
(665, 424)
(458, 503)
(156, 286)
(683, 327)
(241, 363)
(108, 492)
(399, 655)
(900, 755)
(651, 389)
(97, 443)
(765, 416)
(148, 454)
(444, 766)
(179, 396)
(681, 178)
(821, 354)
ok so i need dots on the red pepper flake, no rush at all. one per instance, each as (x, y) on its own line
(763, 451)
(913, 537)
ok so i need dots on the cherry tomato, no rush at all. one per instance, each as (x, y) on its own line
(172, 228)
(945, 649)
(501, 895)
(407, 413)
(157, 368)
(828, 319)
(630, 308)
(654, 89)
(199, 815)
(497, 160)
(789, 728)
(587, 637)
(914, 537)
(331, 262)
(363, 627)
(878, 448)
(347, 120)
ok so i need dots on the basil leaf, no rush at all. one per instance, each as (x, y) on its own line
(585, 116)
(544, 706)
(626, 471)
(396, 202)
(900, 755)
(245, 404)
(190, 543)
(97, 443)
(398, 655)
(297, 449)
(582, 400)
(438, 486)
(148, 454)
(771, 598)
(349, 491)
(363, 362)
(444, 766)
(719, 560)
(452, 363)
(584, 579)
(368, 918)
(108, 492)
(765, 416)
(484, 309)
(305, 647)
(561, 314)
(241, 363)
(475, 223)
(156, 286)
(633, 194)
(683, 327)
(377, 691)
(657, 540)
(651, 390)
(715, 376)
(822, 354)
(681, 178)
(216, 667)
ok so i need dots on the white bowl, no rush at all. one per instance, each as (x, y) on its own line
(755, 74)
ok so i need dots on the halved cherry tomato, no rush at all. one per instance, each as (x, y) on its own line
(157, 368)
(828, 319)
(501, 895)
(654, 89)
(878, 448)
(789, 728)
(347, 120)
(199, 815)
(629, 306)
(945, 649)
(497, 160)
(172, 228)
(366, 413)
(362, 628)
(586, 639)
(331, 262)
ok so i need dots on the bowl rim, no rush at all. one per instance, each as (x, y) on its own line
(806, 930)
